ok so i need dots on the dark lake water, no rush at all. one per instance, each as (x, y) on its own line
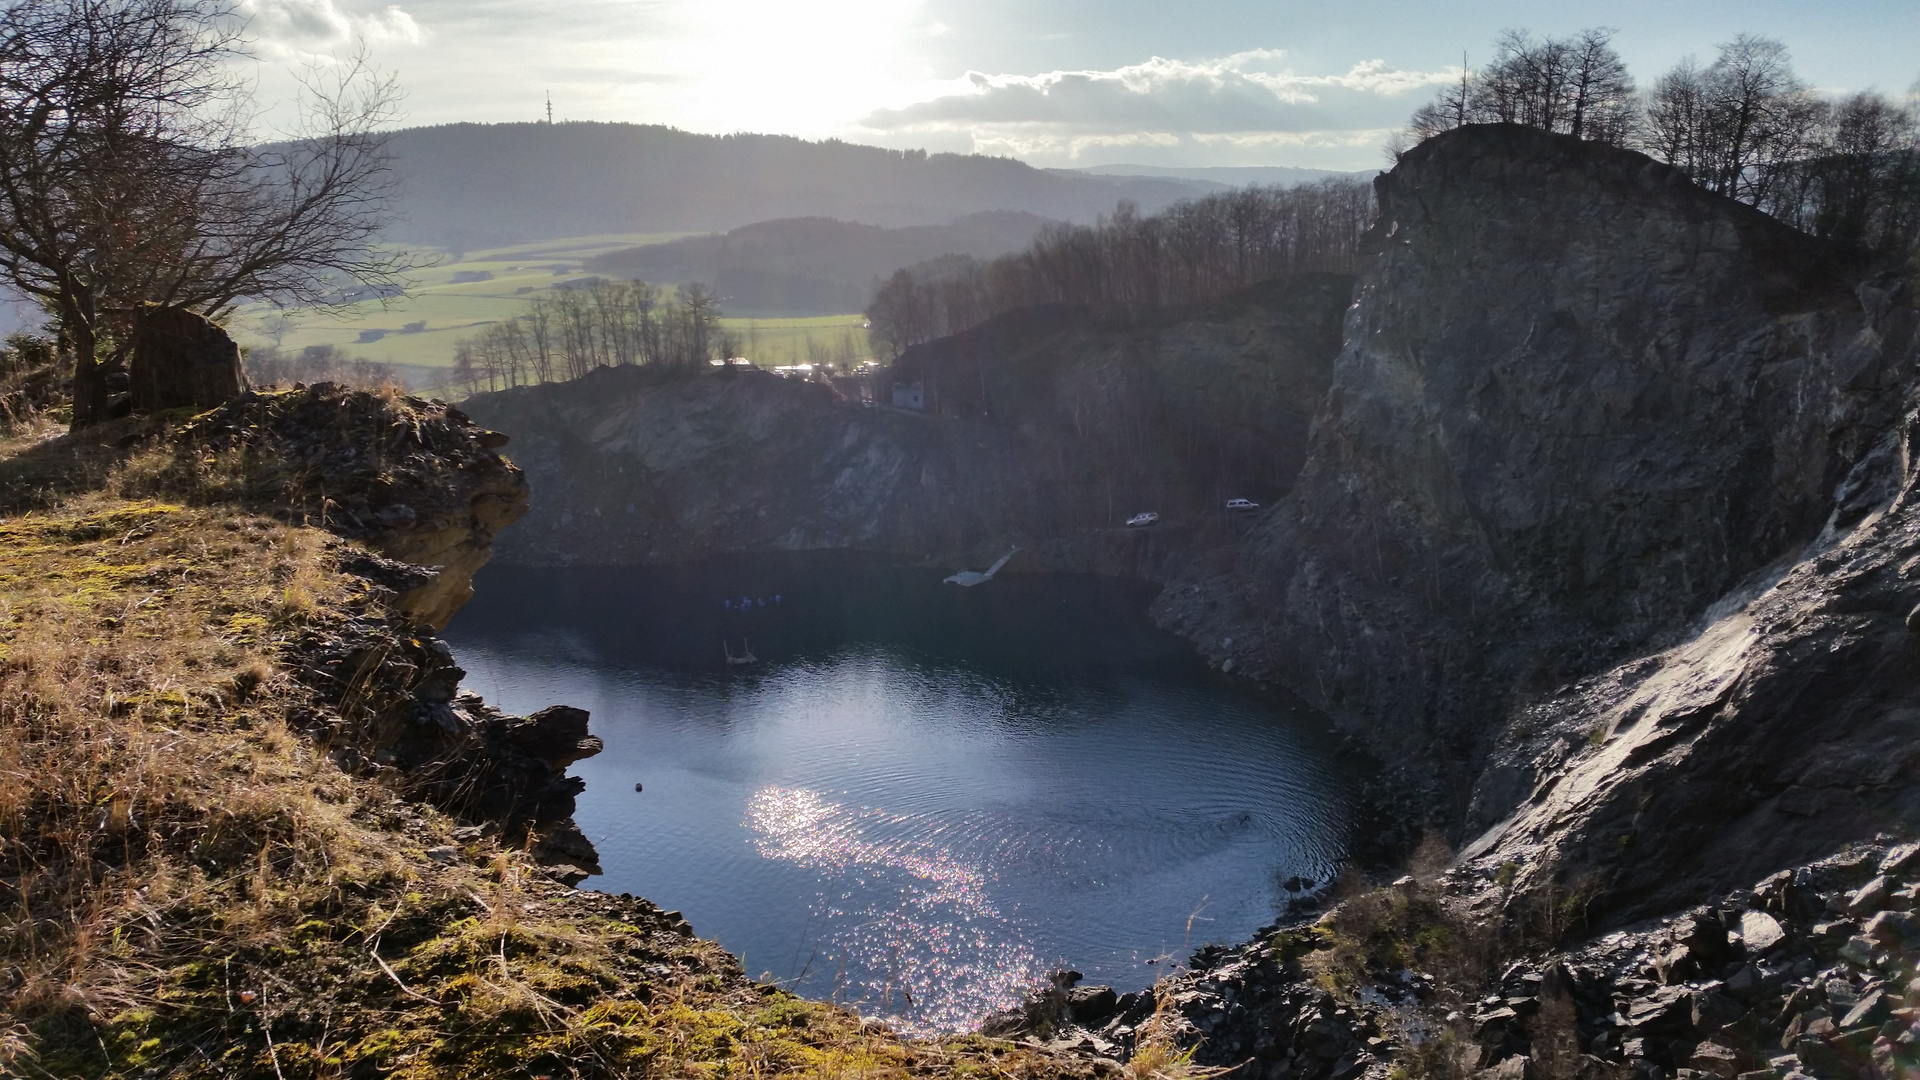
(922, 797)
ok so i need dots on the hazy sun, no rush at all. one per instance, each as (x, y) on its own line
(780, 65)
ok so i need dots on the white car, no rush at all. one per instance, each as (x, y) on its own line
(1242, 504)
(1147, 518)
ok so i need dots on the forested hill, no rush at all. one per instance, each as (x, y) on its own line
(814, 265)
(472, 185)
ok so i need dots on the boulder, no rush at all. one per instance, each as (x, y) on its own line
(1516, 1067)
(183, 360)
(1869, 898)
(1893, 929)
(1902, 861)
(1871, 1010)
(1713, 1010)
(1716, 1060)
(1761, 932)
(1678, 965)
(1705, 936)
(1091, 1005)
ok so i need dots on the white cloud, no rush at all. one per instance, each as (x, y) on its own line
(1244, 102)
(319, 26)
(1247, 91)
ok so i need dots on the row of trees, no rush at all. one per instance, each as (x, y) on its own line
(607, 323)
(130, 176)
(270, 365)
(1745, 126)
(1191, 252)
(1576, 85)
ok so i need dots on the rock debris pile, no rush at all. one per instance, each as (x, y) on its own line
(1813, 972)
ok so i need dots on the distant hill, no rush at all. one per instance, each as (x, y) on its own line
(813, 265)
(1215, 177)
(468, 186)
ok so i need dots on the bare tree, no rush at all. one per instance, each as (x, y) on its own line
(574, 331)
(128, 178)
(1676, 120)
(1527, 82)
(1453, 108)
(1602, 105)
(1577, 86)
(1738, 125)
(1860, 185)
(1759, 116)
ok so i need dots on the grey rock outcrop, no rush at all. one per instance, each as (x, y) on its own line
(1765, 981)
(1580, 401)
(414, 492)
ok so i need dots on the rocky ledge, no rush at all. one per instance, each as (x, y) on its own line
(416, 493)
(414, 480)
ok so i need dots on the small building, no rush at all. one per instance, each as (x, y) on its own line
(910, 396)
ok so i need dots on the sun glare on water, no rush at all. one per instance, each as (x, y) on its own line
(949, 955)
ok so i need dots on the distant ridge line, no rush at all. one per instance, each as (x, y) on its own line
(471, 185)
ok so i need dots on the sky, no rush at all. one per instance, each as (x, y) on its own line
(1066, 83)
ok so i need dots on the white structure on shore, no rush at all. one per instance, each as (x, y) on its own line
(975, 577)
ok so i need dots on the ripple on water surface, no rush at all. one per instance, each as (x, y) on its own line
(922, 798)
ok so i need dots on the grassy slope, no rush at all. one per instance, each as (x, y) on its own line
(454, 311)
(189, 888)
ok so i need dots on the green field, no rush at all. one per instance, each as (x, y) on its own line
(451, 311)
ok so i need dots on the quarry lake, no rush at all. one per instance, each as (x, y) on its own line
(920, 798)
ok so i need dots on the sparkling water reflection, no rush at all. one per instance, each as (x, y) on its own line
(923, 797)
(927, 933)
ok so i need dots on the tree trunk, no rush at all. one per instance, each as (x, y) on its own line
(89, 375)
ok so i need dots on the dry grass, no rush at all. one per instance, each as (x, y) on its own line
(1374, 932)
(1157, 1054)
(188, 888)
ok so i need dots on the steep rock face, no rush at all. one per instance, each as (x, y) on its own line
(1580, 399)
(1051, 428)
(1785, 728)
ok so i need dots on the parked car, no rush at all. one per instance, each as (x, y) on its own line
(1242, 504)
(1145, 518)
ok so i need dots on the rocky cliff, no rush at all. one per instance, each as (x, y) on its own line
(1580, 401)
(1048, 429)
